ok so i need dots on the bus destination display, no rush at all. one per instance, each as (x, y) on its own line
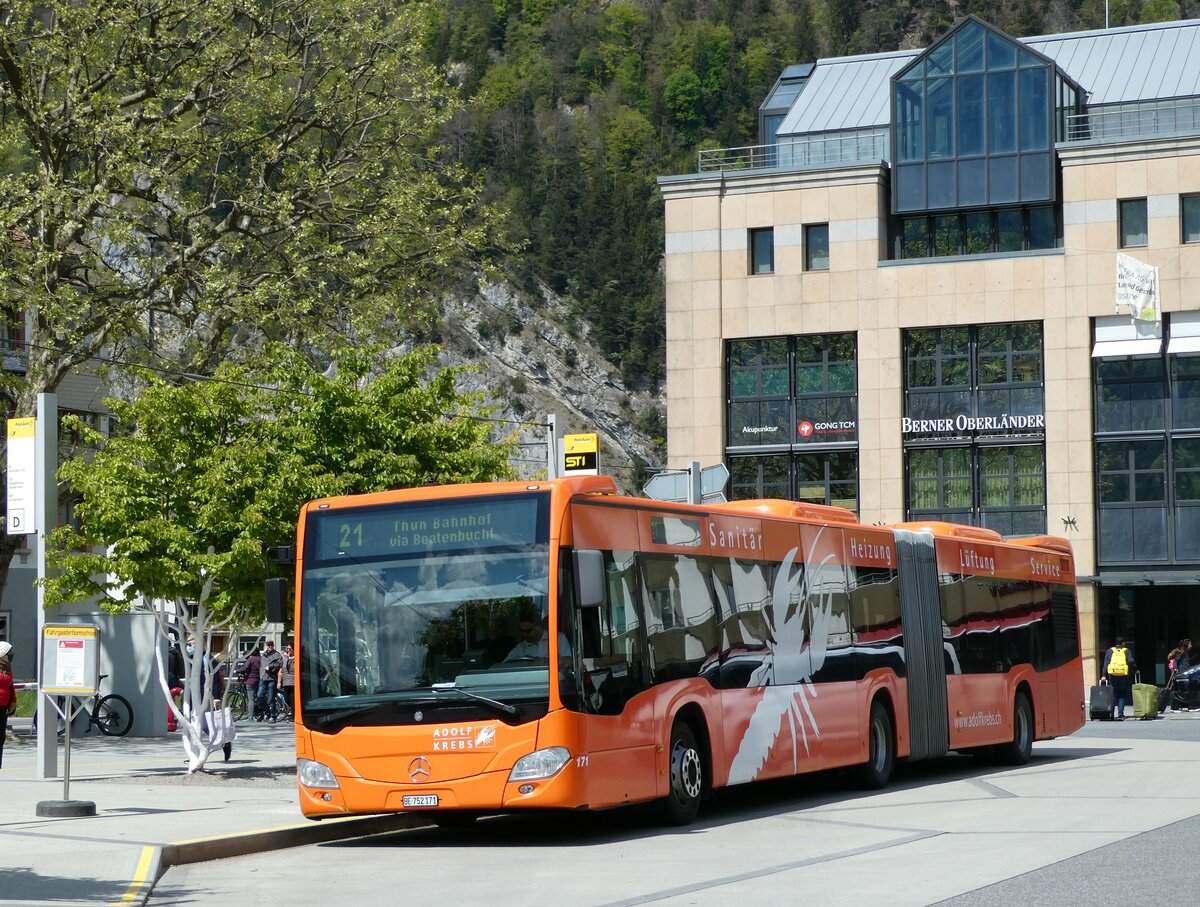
(428, 527)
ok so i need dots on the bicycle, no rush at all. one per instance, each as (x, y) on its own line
(238, 700)
(282, 710)
(281, 706)
(111, 712)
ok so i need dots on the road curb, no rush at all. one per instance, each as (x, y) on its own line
(224, 846)
(221, 847)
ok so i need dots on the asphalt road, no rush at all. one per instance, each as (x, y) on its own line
(1109, 812)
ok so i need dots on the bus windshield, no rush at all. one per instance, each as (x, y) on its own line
(432, 605)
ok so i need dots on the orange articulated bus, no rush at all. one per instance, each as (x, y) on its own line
(474, 649)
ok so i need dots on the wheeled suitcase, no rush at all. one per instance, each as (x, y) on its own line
(1145, 701)
(1100, 702)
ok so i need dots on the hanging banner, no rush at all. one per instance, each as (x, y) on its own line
(1137, 289)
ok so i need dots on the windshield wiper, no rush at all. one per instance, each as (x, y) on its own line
(340, 717)
(503, 707)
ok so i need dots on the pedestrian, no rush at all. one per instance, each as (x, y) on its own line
(174, 675)
(251, 673)
(1119, 668)
(269, 668)
(287, 679)
(8, 693)
(218, 687)
(174, 661)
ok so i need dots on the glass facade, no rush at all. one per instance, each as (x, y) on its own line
(1147, 458)
(791, 427)
(974, 426)
(973, 122)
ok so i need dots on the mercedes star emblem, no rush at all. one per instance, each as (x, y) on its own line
(419, 769)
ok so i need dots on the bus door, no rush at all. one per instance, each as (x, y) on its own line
(618, 734)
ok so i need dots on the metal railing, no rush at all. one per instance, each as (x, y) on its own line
(1143, 119)
(859, 146)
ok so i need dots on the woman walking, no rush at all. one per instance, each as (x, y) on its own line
(8, 693)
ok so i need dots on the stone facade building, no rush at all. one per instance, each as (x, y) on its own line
(904, 302)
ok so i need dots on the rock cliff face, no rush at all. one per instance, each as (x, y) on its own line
(532, 357)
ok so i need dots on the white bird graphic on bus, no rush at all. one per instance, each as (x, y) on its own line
(786, 672)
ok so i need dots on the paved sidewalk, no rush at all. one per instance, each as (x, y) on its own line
(149, 814)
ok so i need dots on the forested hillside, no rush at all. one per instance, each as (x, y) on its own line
(575, 106)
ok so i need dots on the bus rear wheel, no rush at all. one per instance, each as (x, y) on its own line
(1019, 751)
(881, 750)
(682, 804)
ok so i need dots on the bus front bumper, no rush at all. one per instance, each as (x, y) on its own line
(488, 792)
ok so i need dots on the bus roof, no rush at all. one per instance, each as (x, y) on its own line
(795, 509)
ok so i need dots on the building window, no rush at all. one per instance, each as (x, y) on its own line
(978, 232)
(937, 368)
(828, 478)
(826, 388)
(816, 247)
(816, 477)
(1131, 495)
(939, 484)
(792, 390)
(974, 426)
(1186, 487)
(760, 477)
(1185, 392)
(1147, 445)
(1133, 222)
(762, 251)
(796, 400)
(759, 380)
(1130, 394)
(1190, 215)
(1012, 489)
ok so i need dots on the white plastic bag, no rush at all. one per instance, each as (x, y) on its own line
(220, 727)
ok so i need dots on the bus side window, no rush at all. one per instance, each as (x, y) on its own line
(681, 618)
(613, 654)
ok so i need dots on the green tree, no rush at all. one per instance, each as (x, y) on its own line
(1160, 11)
(682, 92)
(183, 505)
(203, 176)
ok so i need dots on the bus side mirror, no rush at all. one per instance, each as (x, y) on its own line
(277, 600)
(589, 578)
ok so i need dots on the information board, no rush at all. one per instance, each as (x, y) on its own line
(70, 659)
(581, 455)
(21, 474)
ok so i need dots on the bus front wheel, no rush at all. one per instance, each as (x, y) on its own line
(682, 804)
(881, 751)
(1019, 751)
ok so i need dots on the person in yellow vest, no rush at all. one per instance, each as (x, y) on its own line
(1119, 668)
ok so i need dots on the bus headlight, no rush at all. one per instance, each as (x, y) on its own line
(315, 774)
(540, 764)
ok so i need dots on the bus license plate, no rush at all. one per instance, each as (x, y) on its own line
(420, 800)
